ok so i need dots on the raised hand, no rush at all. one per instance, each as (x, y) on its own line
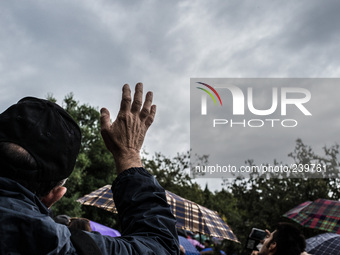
(125, 136)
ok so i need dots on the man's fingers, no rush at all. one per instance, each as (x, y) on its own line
(147, 105)
(105, 121)
(125, 105)
(137, 99)
(151, 116)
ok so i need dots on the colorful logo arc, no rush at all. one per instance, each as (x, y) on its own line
(213, 90)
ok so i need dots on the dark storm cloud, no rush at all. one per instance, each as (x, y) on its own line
(91, 48)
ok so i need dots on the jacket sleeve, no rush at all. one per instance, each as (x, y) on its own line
(148, 226)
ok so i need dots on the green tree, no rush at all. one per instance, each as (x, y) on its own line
(94, 167)
(174, 175)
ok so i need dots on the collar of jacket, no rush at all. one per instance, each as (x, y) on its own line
(14, 190)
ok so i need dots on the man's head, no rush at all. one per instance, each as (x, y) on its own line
(286, 239)
(39, 144)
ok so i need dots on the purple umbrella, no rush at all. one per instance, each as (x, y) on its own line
(104, 230)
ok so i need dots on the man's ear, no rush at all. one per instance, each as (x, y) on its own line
(54, 195)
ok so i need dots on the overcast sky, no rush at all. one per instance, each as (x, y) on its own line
(91, 48)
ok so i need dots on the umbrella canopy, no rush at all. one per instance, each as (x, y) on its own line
(104, 230)
(327, 243)
(189, 215)
(321, 214)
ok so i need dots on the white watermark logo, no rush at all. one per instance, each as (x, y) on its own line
(280, 98)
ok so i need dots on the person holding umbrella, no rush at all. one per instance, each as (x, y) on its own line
(39, 144)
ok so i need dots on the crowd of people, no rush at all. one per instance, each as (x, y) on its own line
(285, 239)
(39, 144)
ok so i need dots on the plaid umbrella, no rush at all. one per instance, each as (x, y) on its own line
(189, 215)
(321, 214)
(324, 244)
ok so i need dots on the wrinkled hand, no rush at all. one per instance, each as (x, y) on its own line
(124, 137)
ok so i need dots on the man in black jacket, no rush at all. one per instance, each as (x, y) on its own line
(39, 144)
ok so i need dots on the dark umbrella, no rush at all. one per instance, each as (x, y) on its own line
(189, 215)
(321, 214)
(324, 244)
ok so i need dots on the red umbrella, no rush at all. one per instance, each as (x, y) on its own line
(321, 214)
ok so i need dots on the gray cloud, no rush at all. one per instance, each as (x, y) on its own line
(91, 48)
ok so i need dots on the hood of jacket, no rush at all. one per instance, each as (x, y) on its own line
(25, 224)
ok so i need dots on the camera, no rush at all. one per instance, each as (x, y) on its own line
(256, 235)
